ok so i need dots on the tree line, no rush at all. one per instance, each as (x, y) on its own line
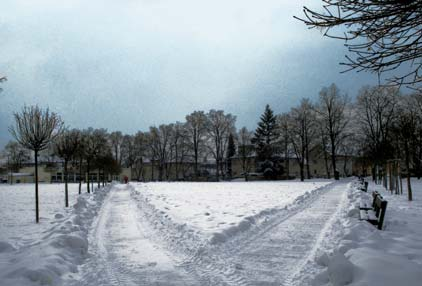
(381, 124)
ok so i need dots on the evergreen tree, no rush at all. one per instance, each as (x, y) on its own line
(231, 151)
(264, 139)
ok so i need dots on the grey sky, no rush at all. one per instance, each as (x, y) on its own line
(128, 64)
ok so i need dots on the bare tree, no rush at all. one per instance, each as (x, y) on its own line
(103, 153)
(375, 109)
(322, 133)
(16, 156)
(95, 142)
(128, 152)
(80, 156)
(116, 139)
(219, 127)
(301, 133)
(406, 129)
(35, 129)
(66, 146)
(178, 144)
(245, 150)
(160, 139)
(196, 131)
(380, 35)
(140, 145)
(284, 133)
(331, 110)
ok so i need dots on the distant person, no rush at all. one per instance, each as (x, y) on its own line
(126, 179)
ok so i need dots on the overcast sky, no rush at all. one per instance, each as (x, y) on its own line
(128, 64)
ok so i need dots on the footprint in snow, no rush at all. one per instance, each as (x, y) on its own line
(152, 264)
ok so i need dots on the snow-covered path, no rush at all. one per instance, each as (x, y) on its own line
(122, 253)
(278, 254)
(125, 249)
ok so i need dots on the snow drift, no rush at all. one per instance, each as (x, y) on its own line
(45, 260)
(368, 256)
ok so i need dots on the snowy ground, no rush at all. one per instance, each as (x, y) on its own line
(41, 254)
(260, 233)
(17, 210)
(160, 234)
(367, 256)
(219, 210)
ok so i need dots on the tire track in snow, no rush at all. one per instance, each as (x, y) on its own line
(277, 254)
(295, 277)
(218, 259)
(124, 252)
(125, 246)
(275, 251)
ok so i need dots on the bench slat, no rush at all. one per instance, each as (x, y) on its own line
(373, 213)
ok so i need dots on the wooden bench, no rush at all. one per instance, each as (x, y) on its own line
(367, 205)
(375, 214)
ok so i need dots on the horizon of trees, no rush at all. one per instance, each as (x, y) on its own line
(381, 124)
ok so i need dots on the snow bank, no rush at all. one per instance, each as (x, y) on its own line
(63, 246)
(368, 256)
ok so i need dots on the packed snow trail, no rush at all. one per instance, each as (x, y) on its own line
(125, 248)
(281, 252)
(122, 251)
(278, 254)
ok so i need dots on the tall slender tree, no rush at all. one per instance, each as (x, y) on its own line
(196, 130)
(219, 127)
(66, 146)
(116, 139)
(245, 150)
(331, 110)
(231, 151)
(264, 140)
(302, 128)
(35, 129)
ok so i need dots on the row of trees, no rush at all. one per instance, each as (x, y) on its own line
(39, 130)
(202, 135)
(380, 125)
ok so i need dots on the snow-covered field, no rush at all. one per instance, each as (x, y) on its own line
(258, 233)
(41, 254)
(17, 209)
(218, 209)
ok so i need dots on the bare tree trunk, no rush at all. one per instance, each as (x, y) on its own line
(37, 211)
(345, 166)
(98, 178)
(80, 175)
(87, 177)
(65, 184)
(327, 167)
(308, 171)
(333, 161)
(217, 173)
(409, 186)
(302, 172)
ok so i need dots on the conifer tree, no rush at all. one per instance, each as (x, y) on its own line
(264, 139)
(231, 151)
